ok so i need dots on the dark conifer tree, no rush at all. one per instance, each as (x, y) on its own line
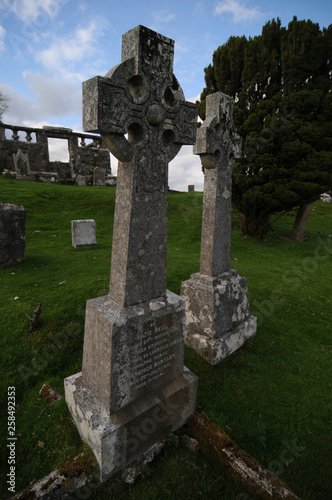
(281, 83)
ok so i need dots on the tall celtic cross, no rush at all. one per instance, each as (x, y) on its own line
(217, 144)
(140, 111)
(218, 319)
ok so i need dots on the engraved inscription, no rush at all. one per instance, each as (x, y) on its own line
(152, 355)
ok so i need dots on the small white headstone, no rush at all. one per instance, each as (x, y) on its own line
(83, 233)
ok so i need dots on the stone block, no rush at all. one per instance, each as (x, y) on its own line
(218, 319)
(215, 304)
(131, 351)
(133, 387)
(83, 233)
(215, 350)
(12, 234)
(119, 439)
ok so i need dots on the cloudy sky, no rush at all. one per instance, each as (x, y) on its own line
(49, 47)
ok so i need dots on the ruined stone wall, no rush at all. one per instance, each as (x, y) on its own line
(24, 154)
(37, 151)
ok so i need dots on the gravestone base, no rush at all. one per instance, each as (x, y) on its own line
(218, 319)
(25, 177)
(130, 473)
(215, 350)
(133, 388)
(120, 439)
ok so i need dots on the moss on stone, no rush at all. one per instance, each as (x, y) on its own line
(27, 495)
(237, 463)
(48, 483)
(77, 466)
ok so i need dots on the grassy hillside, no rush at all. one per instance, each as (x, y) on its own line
(273, 397)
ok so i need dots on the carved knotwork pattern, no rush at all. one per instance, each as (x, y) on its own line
(142, 112)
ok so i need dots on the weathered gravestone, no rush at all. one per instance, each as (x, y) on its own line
(12, 234)
(218, 319)
(22, 164)
(134, 387)
(83, 233)
(99, 176)
(81, 180)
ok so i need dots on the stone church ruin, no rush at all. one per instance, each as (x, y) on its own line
(24, 154)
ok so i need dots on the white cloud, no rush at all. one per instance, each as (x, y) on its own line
(194, 99)
(2, 36)
(36, 11)
(186, 169)
(52, 101)
(58, 150)
(62, 56)
(160, 18)
(183, 170)
(55, 98)
(238, 10)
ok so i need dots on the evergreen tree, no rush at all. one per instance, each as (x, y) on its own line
(281, 85)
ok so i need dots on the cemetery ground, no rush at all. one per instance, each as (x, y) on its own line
(272, 397)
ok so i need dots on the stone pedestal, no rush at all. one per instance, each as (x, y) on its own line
(218, 319)
(133, 387)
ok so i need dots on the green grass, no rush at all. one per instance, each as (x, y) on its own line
(273, 396)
